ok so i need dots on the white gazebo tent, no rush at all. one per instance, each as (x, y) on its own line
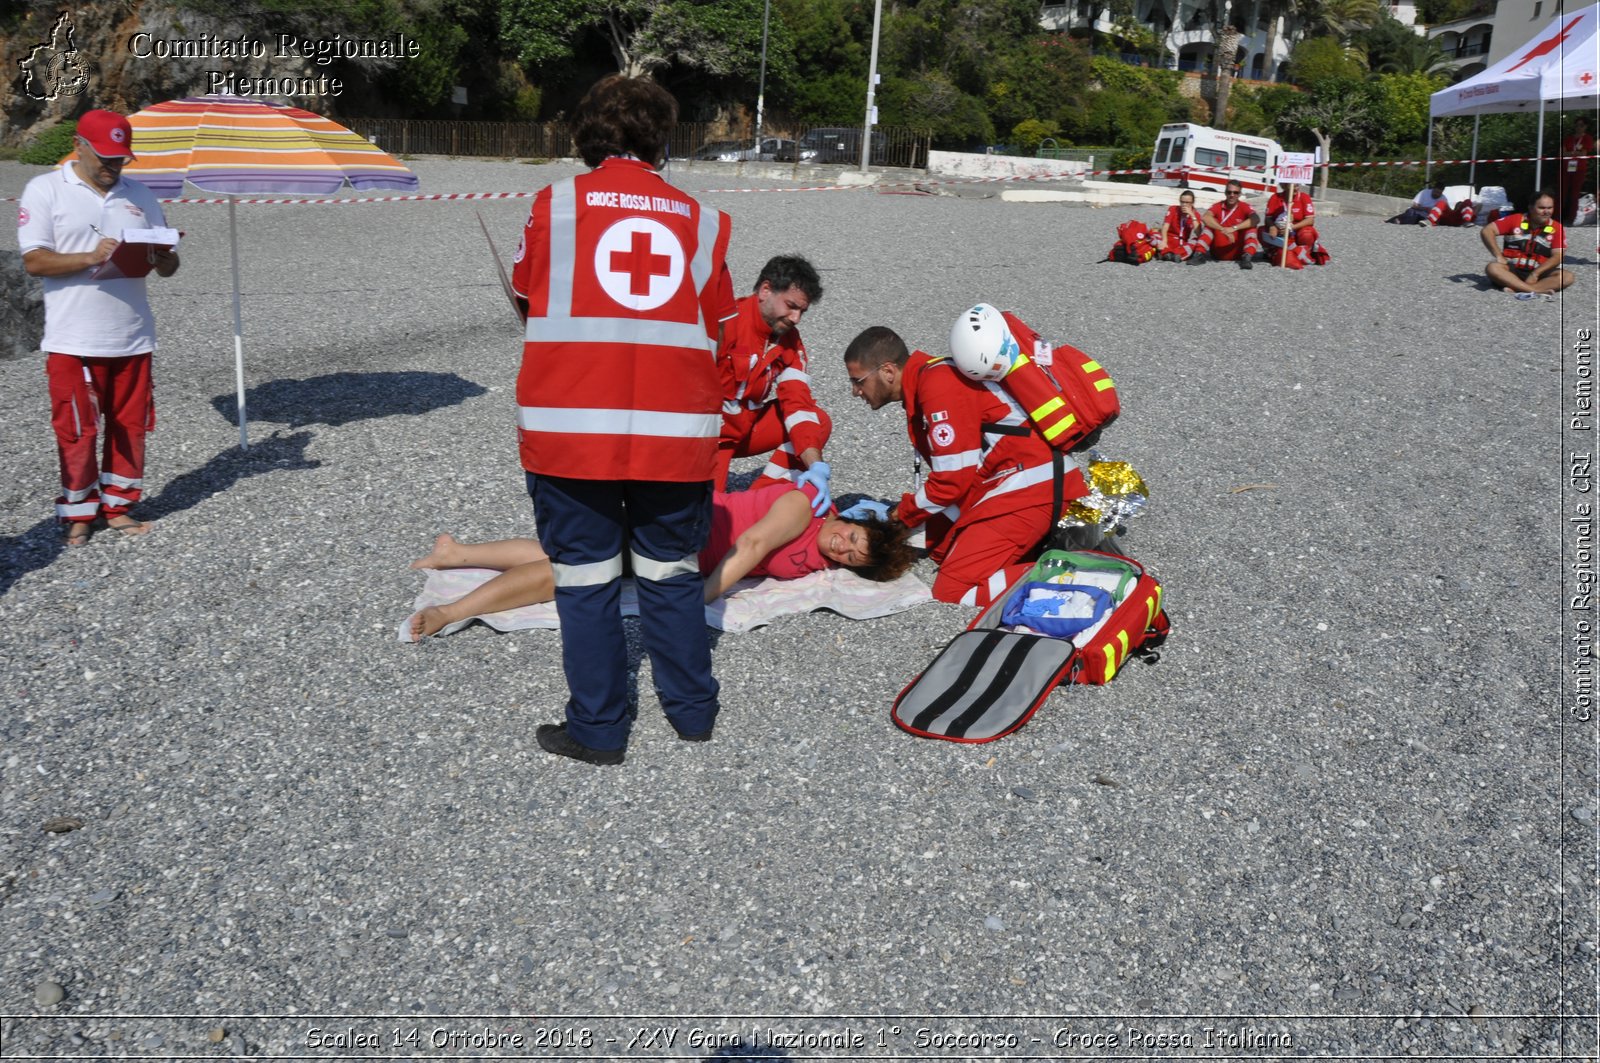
(1559, 66)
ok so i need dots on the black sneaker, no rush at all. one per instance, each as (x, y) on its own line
(1245, 263)
(703, 736)
(553, 738)
(1196, 258)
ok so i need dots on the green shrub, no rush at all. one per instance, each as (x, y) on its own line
(51, 146)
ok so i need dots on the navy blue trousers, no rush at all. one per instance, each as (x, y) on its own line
(586, 526)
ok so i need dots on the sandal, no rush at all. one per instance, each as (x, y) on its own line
(77, 533)
(130, 526)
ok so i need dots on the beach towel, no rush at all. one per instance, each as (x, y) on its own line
(749, 605)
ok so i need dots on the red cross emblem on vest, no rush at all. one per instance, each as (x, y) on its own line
(640, 263)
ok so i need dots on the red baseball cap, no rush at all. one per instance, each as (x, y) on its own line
(108, 133)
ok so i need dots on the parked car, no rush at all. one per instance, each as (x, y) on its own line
(720, 150)
(840, 145)
(772, 149)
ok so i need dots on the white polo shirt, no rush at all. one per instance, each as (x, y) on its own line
(89, 318)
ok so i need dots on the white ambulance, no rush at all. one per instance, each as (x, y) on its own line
(1197, 156)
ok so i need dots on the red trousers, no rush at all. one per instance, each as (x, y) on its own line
(1226, 247)
(1444, 214)
(988, 555)
(82, 391)
(758, 432)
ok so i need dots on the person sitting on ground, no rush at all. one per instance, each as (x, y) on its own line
(1299, 219)
(1432, 206)
(768, 531)
(1230, 228)
(1180, 230)
(1528, 250)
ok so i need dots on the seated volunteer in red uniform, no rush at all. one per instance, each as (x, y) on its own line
(988, 500)
(1179, 235)
(1230, 228)
(99, 333)
(1299, 220)
(769, 531)
(1432, 207)
(1528, 249)
(767, 406)
(619, 407)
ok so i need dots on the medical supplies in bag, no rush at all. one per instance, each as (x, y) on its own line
(993, 677)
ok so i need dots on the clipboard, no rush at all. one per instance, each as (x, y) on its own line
(131, 260)
(505, 280)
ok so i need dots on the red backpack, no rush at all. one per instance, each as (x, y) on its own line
(1070, 398)
(1135, 245)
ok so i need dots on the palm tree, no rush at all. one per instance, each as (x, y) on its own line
(1411, 54)
(1224, 15)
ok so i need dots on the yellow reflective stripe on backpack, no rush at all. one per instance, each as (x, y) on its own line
(1048, 408)
(1104, 385)
(1111, 662)
(1060, 426)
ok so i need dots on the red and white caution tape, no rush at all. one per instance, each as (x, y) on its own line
(890, 188)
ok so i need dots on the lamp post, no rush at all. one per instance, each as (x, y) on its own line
(872, 87)
(761, 84)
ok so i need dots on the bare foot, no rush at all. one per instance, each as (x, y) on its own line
(128, 525)
(427, 622)
(445, 554)
(77, 533)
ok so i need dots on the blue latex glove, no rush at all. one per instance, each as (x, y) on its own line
(817, 476)
(865, 508)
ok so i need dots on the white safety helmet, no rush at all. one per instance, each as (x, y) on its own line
(981, 345)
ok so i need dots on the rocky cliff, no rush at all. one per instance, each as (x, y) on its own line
(127, 54)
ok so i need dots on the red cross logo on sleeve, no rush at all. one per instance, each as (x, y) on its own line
(640, 263)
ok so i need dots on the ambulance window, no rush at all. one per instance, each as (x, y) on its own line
(1177, 150)
(1250, 158)
(1162, 146)
(1211, 157)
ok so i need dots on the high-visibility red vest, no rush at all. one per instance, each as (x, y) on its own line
(1526, 247)
(1072, 399)
(619, 378)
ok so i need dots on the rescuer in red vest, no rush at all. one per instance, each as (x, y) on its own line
(767, 405)
(1528, 249)
(619, 406)
(990, 493)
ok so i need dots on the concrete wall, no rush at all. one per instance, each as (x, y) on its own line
(967, 164)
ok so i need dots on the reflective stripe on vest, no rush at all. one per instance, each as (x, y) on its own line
(577, 421)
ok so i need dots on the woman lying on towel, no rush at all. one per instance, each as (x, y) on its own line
(766, 532)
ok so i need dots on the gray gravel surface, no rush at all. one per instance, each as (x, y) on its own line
(1346, 807)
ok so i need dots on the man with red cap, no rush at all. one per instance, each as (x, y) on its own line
(99, 331)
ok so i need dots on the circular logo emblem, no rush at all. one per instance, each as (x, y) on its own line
(944, 435)
(639, 263)
(119, 135)
(22, 216)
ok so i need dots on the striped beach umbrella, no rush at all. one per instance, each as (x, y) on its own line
(233, 146)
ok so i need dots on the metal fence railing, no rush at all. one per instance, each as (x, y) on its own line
(691, 141)
(408, 136)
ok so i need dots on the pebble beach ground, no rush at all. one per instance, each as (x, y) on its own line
(1348, 812)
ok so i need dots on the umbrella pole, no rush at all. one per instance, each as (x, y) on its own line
(238, 322)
